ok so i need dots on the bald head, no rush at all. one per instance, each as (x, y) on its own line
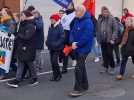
(80, 11)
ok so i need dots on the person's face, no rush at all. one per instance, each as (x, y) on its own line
(125, 12)
(23, 17)
(3, 12)
(78, 13)
(105, 13)
(53, 21)
(61, 13)
(35, 14)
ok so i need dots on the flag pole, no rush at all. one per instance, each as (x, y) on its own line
(18, 26)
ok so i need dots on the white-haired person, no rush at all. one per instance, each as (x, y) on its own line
(81, 38)
(127, 44)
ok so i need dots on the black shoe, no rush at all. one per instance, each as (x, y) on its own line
(64, 71)
(34, 82)
(13, 83)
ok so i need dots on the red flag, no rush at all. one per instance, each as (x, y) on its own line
(90, 6)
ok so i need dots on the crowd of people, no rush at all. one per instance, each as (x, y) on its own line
(74, 33)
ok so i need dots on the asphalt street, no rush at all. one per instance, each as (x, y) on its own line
(102, 86)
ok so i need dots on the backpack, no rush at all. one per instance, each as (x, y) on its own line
(120, 33)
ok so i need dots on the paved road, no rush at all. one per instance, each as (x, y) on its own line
(102, 87)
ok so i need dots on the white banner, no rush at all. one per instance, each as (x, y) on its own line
(6, 49)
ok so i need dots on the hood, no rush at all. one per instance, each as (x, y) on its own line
(86, 16)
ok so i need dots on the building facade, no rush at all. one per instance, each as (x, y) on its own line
(13, 4)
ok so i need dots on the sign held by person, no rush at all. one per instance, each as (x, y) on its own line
(6, 49)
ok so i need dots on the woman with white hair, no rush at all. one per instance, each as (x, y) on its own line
(127, 46)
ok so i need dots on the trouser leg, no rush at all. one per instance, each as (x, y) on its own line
(81, 81)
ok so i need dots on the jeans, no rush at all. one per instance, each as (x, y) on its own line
(96, 49)
(107, 54)
(124, 60)
(117, 53)
(39, 60)
(81, 81)
(20, 69)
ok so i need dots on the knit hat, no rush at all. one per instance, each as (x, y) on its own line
(56, 17)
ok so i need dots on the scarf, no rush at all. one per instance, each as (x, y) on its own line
(125, 36)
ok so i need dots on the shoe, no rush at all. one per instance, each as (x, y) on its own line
(74, 63)
(34, 82)
(13, 83)
(64, 71)
(104, 70)
(61, 64)
(119, 77)
(77, 93)
(111, 71)
(132, 76)
(97, 59)
(56, 79)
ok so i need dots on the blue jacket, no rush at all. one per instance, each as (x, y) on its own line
(39, 33)
(55, 39)
(82, 33)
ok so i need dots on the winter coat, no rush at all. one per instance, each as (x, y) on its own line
(128, 48)
(107, 29)
(55, 39)
(124, 17)
(26, 48)
(39, 33)
(82, 33)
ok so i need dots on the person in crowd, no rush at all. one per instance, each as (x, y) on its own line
(126, 15)
(96, 47)
(38, 19)
(81, 38)
(26, 50)
(127, 46)
(66, 21)
(55, 44)
(7, 23)
(107, 30)
(118, 41)
(7, 19)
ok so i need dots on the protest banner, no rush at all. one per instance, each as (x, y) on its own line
(6, 49)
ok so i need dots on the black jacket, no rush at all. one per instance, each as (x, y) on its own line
(128, 48)
(26, 48)
(55, 39)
